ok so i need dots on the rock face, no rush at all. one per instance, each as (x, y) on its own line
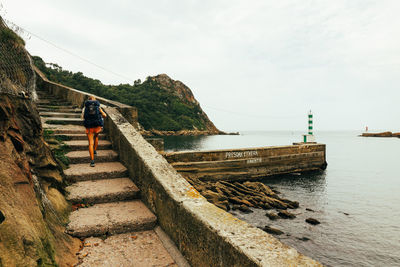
(177, 88)
(185, 94)
(31, 206)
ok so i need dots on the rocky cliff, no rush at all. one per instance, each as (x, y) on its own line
(180, 90)
(33, 209)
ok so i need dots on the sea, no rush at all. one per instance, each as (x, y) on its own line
(356, 199)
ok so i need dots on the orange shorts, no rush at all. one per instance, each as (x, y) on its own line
(94, 130)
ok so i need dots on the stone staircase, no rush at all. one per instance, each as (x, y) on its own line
(116, 227)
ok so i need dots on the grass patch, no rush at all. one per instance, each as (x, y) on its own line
(62, 138)
(60, 149)
(59, 154)
(47, 134)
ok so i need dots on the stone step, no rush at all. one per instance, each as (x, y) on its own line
(81, 136)
(83, 145)
(51, 101)
(55, 103)
(102, 191)
(65, 129)
(58, 120)
(59, 114)
(55, 107)
(76, 157)
(111, 218)
(140, 249)
(106, 170)
(68, 110)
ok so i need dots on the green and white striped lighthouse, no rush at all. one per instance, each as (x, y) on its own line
(310, 121)
(309, 138)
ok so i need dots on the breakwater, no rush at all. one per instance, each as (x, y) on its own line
(248, 164)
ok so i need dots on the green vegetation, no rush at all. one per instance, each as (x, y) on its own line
(158, 109)
(9, 36)
(59, 149)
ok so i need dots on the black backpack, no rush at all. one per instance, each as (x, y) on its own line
(92, 114)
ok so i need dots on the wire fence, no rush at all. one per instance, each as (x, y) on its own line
(17, 76)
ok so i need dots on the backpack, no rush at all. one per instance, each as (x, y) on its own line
(92, 114)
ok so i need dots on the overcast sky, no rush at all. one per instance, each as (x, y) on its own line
(252, 65)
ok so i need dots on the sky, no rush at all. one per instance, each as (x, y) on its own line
(252, 65)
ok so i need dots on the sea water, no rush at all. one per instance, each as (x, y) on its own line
(356, 199)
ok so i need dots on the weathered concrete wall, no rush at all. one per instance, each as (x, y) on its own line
(248, 163)
(77, 97)
(205, 234)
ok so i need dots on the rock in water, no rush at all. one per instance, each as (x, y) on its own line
(303, 238)
(272, 230)
(272, 216)
(235, 207)
(312, 221)
(286, 215)
(245, 209)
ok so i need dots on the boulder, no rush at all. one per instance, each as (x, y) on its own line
(272, 230)
(312, 221)
(286, 215)
(272, 216)
(245, 209)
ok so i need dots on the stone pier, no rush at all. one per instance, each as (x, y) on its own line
(248, 163)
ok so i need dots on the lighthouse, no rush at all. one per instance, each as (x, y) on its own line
(309, 137)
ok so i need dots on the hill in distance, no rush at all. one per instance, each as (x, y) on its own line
(165, 106)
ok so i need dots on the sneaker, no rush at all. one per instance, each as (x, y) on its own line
(92, 163)
(95, 152)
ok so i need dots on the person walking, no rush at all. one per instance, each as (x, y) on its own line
(93, 121)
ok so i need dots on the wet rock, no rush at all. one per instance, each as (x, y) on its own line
(245, 209)
(272, 230)
(247, 194)
(213, 197)
(223, 205)
(303, 238)
(272, 216)
(286, 215)
(235, 207)
(312, 221)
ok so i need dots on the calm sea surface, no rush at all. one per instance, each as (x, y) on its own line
(357, 199)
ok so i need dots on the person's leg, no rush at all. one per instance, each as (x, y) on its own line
(96, 141)
(91, 143)
(96, 137)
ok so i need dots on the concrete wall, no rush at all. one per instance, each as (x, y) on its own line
(248, 163)
(77, 97)
(205, 234)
